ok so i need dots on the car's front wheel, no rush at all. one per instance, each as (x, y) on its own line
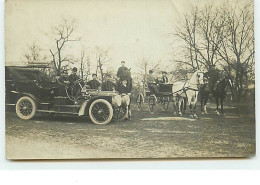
(26, 108)
(100, 112)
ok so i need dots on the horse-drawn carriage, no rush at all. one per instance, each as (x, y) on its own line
(31, 91)
(179, 93)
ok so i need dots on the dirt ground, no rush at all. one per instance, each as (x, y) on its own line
(145, 136)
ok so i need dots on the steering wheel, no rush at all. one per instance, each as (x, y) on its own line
(72, 91)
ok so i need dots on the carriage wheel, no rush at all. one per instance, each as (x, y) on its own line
(139, 101)
(152, 103)
(26, 108)
(119, 113)
(100, 112)
(166, 102)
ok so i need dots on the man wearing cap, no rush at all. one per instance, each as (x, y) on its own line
(108, 84)
(121, 70)
(164, 77)
(73, 76)
(152, 83)
(94, 83)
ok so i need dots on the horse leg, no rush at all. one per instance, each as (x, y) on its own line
(175, 110)
(190, 106)
(202, 104)
(217, 103)
(205, 103)
(221, 104)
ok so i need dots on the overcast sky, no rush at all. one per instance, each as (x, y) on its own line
(132, 29)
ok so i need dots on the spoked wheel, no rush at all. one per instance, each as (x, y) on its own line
(152, 103)
(165, 103)
(119, 113)
(100, 112)
(26, 108)
(139, 101)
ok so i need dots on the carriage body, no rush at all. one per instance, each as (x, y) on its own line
(161, 96)
(31, 91)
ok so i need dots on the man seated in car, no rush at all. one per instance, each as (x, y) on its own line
(73, 77)
(108, 84)
(94, 83)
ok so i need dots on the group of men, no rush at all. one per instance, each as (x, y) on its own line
(153, 82)
(123, 84)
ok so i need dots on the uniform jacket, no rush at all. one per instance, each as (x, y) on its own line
(121, 72)
(93, 84)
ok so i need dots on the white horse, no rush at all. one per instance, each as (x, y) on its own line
(189, 90)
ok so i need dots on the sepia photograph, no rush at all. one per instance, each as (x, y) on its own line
(129, 79)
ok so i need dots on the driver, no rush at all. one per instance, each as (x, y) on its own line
(73, 77)
(152, 84)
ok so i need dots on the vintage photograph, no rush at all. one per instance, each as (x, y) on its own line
(128, 79)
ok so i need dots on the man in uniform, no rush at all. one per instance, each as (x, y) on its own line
(94, 83)
(108, 84)
(121, 71)
(214, 76)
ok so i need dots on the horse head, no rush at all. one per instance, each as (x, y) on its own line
(197, 78)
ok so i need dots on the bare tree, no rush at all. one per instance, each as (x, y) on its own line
(201, 35)
(101, 58)
(237, 47)
(84, 64)
(35, 54)
(63, 35)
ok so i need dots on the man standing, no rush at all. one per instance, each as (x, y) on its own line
(94, 83)
(121, 71)
(108, 84)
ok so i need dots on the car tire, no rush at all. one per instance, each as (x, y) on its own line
(100, 112)
(26, 108)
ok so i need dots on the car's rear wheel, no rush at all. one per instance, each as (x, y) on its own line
(26, 108)
(100, 112)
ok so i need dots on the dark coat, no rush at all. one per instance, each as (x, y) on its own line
(72, 78)
(93, 84)
(108, 86)
(165, 79)
(124, 89)
(121, 72)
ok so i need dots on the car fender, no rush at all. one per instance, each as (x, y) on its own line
(20, 94)
(82, 108)
(87, 103)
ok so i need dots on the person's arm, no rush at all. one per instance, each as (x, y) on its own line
(118, 72)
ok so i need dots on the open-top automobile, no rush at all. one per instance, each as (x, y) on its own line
(32, 91)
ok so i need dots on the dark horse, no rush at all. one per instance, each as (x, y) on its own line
(218, 92)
